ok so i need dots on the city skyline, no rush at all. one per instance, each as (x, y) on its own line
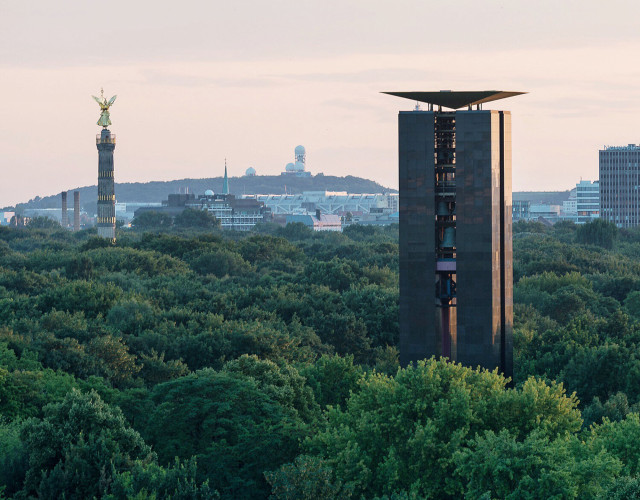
(202, 82)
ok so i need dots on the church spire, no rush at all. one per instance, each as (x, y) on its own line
(225, 182)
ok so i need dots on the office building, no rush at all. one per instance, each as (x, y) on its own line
(456, 276)
(587, 201)
(620, 185)
(520, 210)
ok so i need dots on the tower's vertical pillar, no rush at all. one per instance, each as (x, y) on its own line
(65, 215)
(418, 338)
(483, 237)
(106, 143)
(76, 210)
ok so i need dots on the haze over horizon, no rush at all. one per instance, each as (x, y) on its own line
(198, 82)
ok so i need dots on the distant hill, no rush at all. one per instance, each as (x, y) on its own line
(156, 191)
(542, 197)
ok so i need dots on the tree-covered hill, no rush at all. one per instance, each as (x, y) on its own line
(206, 364)
(156, 191)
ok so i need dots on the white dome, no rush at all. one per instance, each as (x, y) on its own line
(300, 150)
(208, 192)
(250, 171)
(290, 167)
(299, 166)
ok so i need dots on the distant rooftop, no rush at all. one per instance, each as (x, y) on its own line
(630, 147)
(456, 99)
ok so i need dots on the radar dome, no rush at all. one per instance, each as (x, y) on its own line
(300, 150)
(250, 171)
(290, 167)
(208, 192)
(299, 166)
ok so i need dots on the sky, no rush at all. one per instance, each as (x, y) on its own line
(248, 80)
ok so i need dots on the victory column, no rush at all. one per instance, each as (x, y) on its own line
(106, 143)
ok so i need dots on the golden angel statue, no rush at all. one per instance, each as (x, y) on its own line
(104, 120)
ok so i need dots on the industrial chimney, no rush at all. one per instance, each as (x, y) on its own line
(76, 210)
(65, 215)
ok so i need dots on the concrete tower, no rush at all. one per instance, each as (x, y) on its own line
(65, 215)
(106, 143)
(225, 182)
(456, 277)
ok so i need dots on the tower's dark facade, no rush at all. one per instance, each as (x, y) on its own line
(456, 278)
(106, 143)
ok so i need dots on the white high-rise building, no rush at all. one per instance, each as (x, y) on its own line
(587, 201)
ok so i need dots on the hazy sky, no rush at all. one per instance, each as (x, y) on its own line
(198, 81)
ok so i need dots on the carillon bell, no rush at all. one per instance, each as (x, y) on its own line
(443, 209)
(449, 238)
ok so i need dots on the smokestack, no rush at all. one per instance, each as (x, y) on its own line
(65, 215)
(76, 210)
(318, 213)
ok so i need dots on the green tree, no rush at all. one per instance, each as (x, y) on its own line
(282, 382)
(401, 433)
(619, 439)
(77, 447)
(152, 220)
(236, 430)
(220, 263)
(112, 359)
(43, 223)
(80, 267)
(598, 232)
(624, 488)
(307, 478)
(149, 480)
(333, 379)
(500, 466)
(193, 218)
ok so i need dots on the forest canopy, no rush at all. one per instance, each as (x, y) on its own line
(199, 363)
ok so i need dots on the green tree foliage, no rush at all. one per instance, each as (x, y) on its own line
(333, 379)
(152, 220)
(149, 480)
(307, 478)
(43, 223)
(220, 263)
(273, 355)
(78, 446)
(500, 466)
(624, 488)
(235, 429)
(197, 219)
(401, 433)
(598, 232)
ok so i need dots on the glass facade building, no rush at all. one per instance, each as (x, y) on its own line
(620, 185)
(587, 201)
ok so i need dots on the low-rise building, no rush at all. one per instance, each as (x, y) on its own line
(233, 213)
(329, 202)
(317, 222)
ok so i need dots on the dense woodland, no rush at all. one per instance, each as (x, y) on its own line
(195, 363)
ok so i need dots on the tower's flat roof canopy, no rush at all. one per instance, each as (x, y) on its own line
(456, 99)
